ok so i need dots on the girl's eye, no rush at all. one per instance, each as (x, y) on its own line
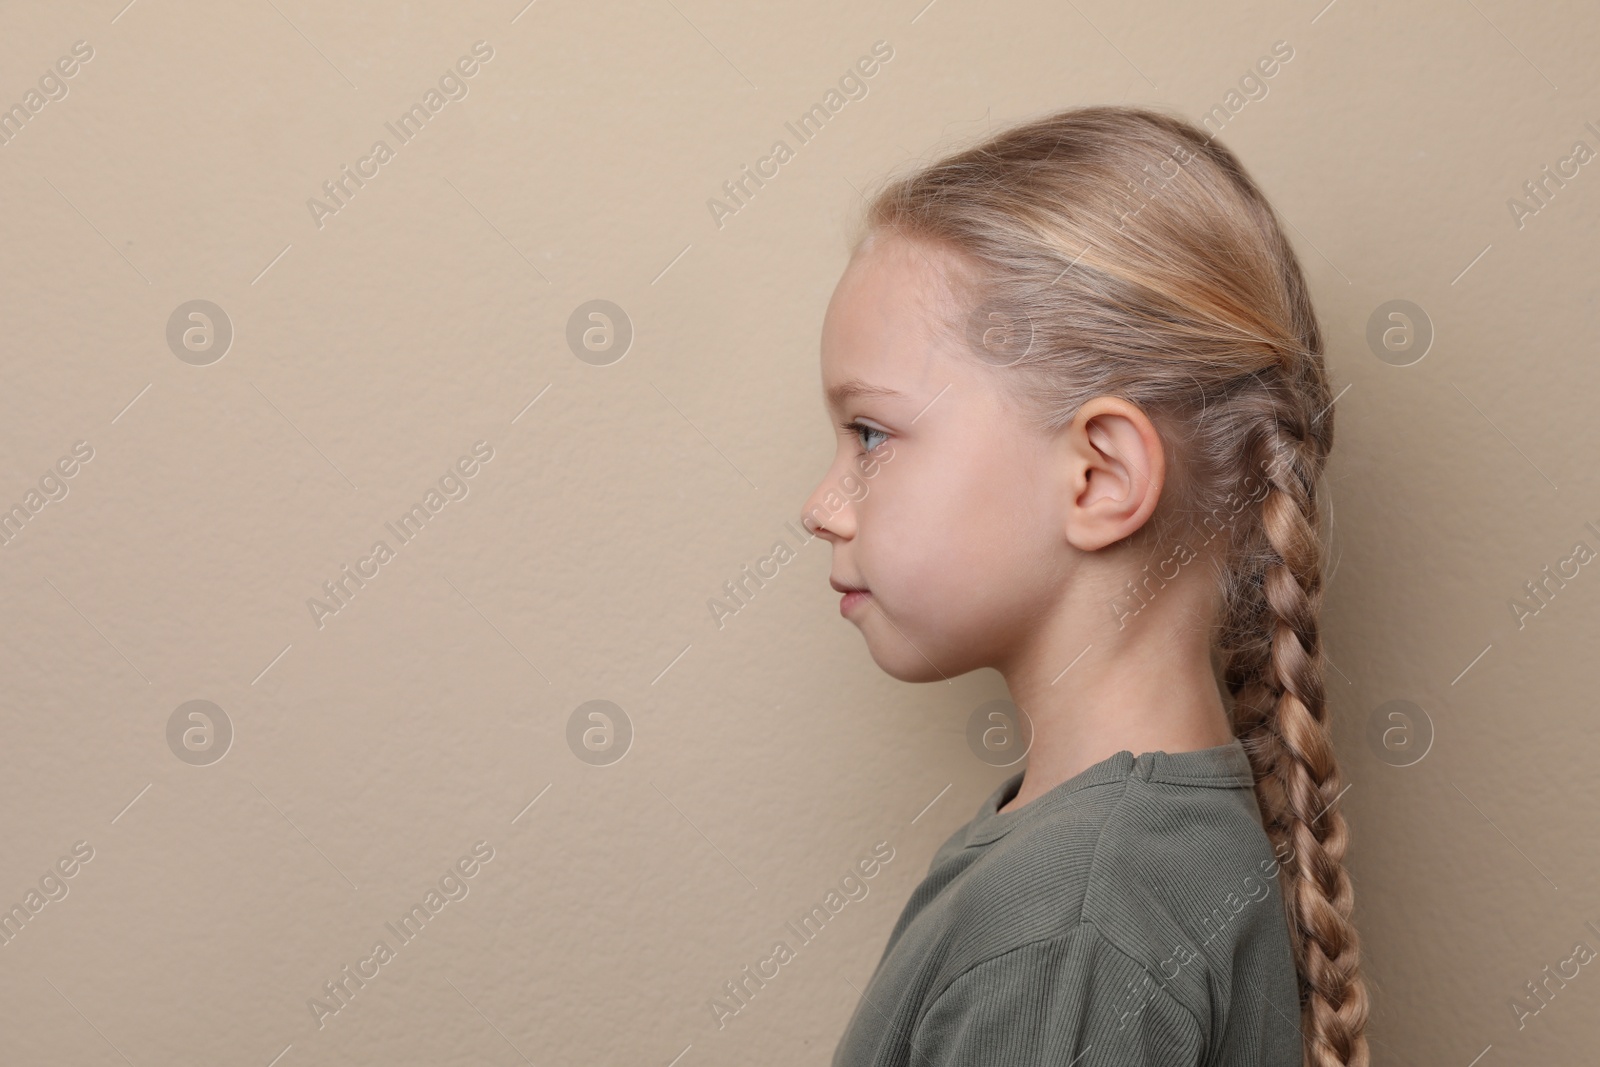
(858, 428)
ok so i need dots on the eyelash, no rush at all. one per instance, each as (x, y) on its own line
(857, 427)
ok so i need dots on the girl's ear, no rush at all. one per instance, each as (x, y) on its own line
(1114, 467)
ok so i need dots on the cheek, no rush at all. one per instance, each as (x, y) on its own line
(962, 532)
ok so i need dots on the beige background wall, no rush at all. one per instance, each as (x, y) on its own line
(371, 753)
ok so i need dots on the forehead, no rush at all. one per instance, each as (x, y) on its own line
(891, 320)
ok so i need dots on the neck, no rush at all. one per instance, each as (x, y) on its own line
(1143, 683)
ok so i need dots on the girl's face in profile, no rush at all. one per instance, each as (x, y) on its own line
(942, 501)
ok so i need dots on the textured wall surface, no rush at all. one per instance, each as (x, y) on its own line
(255, 365)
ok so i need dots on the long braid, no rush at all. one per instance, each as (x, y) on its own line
(1281, 710)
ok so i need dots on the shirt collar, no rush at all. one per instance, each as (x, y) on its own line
(1223, 767)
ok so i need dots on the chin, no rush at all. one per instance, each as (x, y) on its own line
(902, 670)
(903, 662)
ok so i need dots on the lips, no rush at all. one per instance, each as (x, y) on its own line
(853, 595)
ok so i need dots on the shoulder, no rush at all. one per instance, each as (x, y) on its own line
(1057, 998)
(1159, 867)
(1141, 899)
(1031, 884)
(1170, 856)
(1185, 882)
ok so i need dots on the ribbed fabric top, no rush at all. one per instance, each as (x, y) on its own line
(1129, 916)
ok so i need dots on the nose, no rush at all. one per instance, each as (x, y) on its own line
(828, 512)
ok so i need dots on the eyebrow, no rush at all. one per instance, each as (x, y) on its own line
(855, 387)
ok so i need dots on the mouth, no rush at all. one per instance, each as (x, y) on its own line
(853, 596)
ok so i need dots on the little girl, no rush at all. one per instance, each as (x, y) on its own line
(1079, 368)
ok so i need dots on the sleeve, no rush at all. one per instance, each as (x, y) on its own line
(1072, 999)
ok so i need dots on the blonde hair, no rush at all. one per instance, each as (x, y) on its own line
(1121, 251)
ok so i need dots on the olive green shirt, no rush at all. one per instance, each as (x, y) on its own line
(1130, 915)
